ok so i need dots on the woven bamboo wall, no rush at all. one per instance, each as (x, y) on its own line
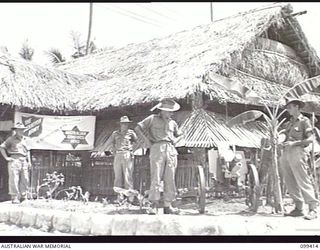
(44, 162)
(97, 175)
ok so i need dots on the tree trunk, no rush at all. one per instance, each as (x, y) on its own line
(270, 186)
(89, 29)
(275, 173)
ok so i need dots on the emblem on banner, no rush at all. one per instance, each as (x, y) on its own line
(75, 137)
(33, 124)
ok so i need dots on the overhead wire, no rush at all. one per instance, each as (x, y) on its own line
(165, 8)
(155, 12)
(124, 13)
(138, 15)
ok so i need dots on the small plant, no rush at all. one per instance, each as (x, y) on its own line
(51, 182)
(75, 193)
(26, 52)
(124, 194)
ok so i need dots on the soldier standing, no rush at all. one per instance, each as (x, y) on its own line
(294, 161)
(162, 136)
(16, 152)
(122, 146)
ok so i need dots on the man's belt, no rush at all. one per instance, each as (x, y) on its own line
(18, 156)
(123, 151)
(163, 141)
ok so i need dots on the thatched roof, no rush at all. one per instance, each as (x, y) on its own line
(202, 128)
(25, 84)
(176, 66)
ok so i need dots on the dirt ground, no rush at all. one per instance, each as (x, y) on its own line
(214, 207)
(13, 230)
(232, 216)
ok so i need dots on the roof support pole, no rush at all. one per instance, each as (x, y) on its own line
(197, 100)
(199, 154)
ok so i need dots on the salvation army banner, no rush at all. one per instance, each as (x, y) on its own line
(58, 132)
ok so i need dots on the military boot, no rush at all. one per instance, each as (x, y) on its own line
(295, 213)
(311, 215)
(170, 210)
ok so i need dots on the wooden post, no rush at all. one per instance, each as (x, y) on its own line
(197, 101)
(312, 160)
(199, 153)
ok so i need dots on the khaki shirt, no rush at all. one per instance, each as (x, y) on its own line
(159, 129)
(298, 129)
(123, 142)
(15, 146)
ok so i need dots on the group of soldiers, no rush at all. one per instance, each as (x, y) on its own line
(160, 133)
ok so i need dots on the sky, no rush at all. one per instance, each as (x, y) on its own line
(48, 25)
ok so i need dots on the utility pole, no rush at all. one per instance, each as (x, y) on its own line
(211, 12)
(90, 26)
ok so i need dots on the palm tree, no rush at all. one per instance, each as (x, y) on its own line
(90, 28)
(26, 51)
(55, 56)
(78, 45)
(92, 47)
(273, 127)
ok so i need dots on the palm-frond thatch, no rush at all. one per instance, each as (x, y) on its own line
(177, 65)
(25, 84)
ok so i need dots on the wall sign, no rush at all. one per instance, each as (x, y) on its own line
(58, 132)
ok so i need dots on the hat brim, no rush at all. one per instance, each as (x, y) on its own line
(298, 102)
(175, 107)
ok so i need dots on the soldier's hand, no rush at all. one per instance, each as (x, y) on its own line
(9, 159)
(288, 143)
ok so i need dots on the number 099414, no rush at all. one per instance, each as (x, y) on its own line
(308, 246)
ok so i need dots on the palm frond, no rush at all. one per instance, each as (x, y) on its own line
(280, 114)
(55, 56)
(26, 52)
(269, 110)
(245, 117)
(303, 87)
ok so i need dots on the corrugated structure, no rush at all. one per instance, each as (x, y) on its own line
(205, 129)
(202, 129)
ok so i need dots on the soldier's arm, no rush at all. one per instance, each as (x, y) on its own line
(143, 136)
(25, 143)
(144, 125)
(4, 154)
(134, 136)
(178, 134)
(29, 157)
(3, 148)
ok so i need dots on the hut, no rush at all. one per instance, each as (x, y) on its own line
(31, 88)
(264, 49)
